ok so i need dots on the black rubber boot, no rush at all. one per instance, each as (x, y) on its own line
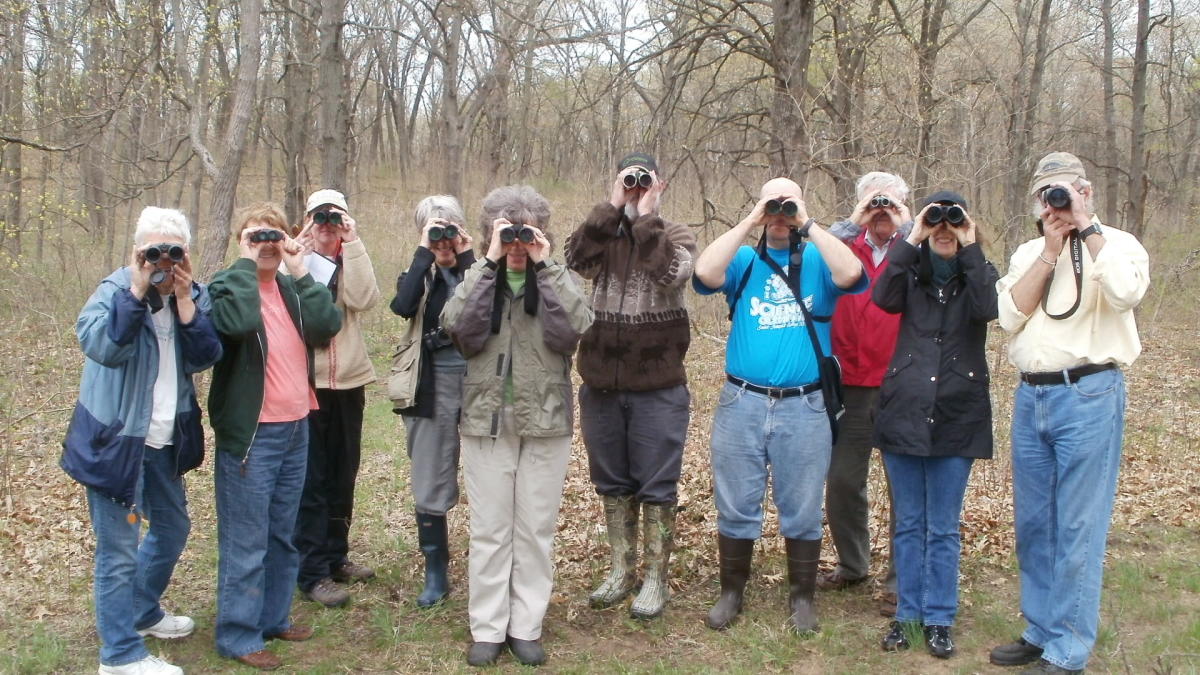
(735, 571)
(803, 555)
(432, 537)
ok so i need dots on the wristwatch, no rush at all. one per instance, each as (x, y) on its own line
(1089, 231)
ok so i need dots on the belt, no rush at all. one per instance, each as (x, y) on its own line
(775, 392)
(1065, 376)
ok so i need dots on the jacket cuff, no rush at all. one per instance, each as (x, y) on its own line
(647, 229)
(353, 249)
(244, 265)
(602, 223)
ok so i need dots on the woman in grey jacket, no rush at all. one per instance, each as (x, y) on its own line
(516, 317)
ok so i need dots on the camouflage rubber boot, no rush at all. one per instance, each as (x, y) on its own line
(803, 555)
(658, 529)
(621, 517)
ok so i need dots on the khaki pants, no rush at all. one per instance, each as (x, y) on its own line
(514, 486)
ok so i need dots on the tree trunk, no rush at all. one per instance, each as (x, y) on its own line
(12, 116)
(333, 117)
(225, 180)
(1137, 186)
(1021, 133)
(1111, 173)
(791, 44)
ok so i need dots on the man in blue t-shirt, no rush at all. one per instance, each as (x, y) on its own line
(771, 410)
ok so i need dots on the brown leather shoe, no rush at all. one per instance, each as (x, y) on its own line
(352, 571)
(261, 659)
(294, 633)
(834, 581)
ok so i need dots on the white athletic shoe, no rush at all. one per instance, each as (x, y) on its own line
(151, 665)
(170, 627)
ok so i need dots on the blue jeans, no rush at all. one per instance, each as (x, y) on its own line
(257, 501)
(752, 432)
(130, 579)
(927, 494)
(1066, 445)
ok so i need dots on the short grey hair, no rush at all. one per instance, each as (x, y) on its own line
(517, 204)
(445, 207)
(876, 181)
(165, 222)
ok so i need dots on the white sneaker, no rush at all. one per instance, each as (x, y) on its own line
(151, 665)
(170, 627)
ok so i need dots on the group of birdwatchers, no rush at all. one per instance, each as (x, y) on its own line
(482, 378)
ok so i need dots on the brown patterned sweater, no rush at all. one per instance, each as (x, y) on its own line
(639, 276)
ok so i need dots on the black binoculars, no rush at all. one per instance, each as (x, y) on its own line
(439, 232)
(881, 202)
(520, 232)
(641, 179)
(173, 252)
(327, 218)
(259, 236)
(787, 208)
(952, 214)
(1057, 197)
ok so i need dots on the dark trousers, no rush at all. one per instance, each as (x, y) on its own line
(635, 441)
(846, 488)
(327, 505)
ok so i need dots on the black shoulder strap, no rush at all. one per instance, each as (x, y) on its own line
(737, 295)
(792, 277)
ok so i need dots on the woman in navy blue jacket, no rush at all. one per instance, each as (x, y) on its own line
(136, 431)
(934, 417)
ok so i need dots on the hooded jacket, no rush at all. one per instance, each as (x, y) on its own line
(106, 439)
(536, 348)
(236, 395)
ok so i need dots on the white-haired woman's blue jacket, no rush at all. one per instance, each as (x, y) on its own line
(107, 436)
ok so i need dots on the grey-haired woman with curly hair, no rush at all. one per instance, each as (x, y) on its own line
(517, 318)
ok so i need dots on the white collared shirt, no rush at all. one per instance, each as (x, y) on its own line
(1102, 330)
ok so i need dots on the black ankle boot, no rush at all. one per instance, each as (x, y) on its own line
(432, 538)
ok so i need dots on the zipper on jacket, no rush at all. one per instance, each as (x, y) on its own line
(261, 401)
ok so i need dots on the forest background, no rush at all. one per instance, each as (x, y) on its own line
(108, 105)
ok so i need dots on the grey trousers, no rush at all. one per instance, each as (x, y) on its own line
(846, 488)
(433, 445)
(635, 441)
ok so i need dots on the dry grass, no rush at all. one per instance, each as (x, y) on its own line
(1151, 601)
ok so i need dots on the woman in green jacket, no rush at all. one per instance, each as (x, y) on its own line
(516, 317)
(261, 394)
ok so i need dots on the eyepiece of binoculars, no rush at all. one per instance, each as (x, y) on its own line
(952, 214)
(880, 202)
(1057, 197)
(327, 218)
(260, 236)
(787, 208)
(173, 252)
(439, 232)
(641, 179)
(519, 232)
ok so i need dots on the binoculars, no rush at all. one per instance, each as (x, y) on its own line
(259, 236)
(880, 202)
(952, 214)
(440, 232)
(1057, 197)
(516, 232)
(327, 218)
(641, 179)
(173, 252)
(787, 208)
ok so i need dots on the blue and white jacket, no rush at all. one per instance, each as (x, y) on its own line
(107, 436)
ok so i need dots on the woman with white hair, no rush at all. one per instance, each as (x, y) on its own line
(517, 318)
(427, 379)
(136, 430)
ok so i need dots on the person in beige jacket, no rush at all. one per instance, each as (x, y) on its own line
(516, 318)
(342, 371)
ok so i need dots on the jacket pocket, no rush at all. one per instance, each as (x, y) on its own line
(963, 394)
(405, 372)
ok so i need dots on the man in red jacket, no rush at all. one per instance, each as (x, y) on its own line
(863, 339)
